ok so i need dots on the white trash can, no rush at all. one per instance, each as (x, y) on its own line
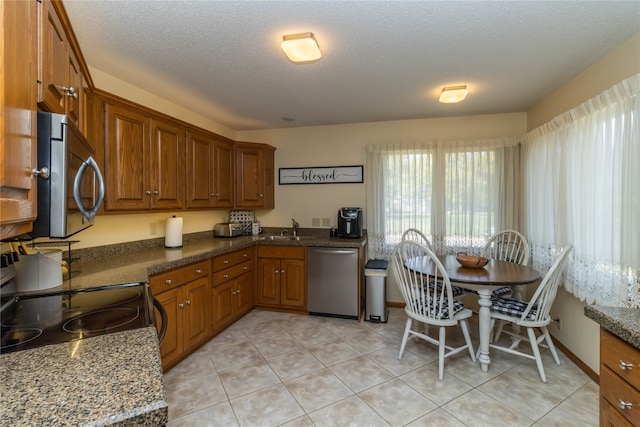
(375, 272)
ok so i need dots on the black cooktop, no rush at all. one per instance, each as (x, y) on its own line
(34, 320)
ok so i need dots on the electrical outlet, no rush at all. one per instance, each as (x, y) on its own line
(326, 222)
(152, 229)
(315, 222)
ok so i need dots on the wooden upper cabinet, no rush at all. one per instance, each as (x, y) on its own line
(223, 156)
(18, 123)
(144, 161)
(254, 176)
(209, 171)
(61, 83)
(126, 167)
(167, 157)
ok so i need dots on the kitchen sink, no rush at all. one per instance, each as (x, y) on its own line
(286, 238)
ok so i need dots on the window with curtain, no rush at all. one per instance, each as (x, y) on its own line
(582, 186)
(458, 193)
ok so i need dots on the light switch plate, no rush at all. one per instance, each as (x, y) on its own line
(326, 222)
(315, 222)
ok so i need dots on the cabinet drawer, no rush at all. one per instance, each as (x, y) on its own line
(230, 273)
(620, 357)
(227, 260)
(619, 393)
(179, 276)
(282, 252)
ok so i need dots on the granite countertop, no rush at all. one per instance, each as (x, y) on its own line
(137, 265)
(104, 380)
(620, 321)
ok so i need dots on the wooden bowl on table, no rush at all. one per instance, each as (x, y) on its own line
(472, 261)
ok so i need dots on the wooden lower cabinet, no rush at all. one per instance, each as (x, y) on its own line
(281, 281)
(185, 295)
(619, 381)
(233, 288)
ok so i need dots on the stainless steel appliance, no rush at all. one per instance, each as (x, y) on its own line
(70, 185)
(33, 320)
(332, 282)
(350, 223)
(227, 229)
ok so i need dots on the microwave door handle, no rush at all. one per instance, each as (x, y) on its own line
(89, 214)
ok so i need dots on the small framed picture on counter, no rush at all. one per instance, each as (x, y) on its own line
(321, 175)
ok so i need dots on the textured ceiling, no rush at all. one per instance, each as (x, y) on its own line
(382, 60)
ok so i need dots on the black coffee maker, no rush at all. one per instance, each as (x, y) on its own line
(350, 223)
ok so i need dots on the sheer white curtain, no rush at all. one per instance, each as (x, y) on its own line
(456, 192)
(582, 186)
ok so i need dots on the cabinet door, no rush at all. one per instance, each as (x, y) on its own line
(73, 100)
(127, 172)
(249, 177)
(18, 93)
(166, 165)
(244, 293)
(196, 312)
(171, 347)
(222, 174)
(222, 306)
(53, 60)
(268, 291)
(293, 286)
(200, 164)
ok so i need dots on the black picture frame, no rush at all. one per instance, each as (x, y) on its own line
(321, 175)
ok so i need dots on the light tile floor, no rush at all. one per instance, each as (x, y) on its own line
(272, 369)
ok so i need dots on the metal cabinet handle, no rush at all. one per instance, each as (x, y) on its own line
(276, 271)
(42, 173)
(214, 194)
(245, 268)
(147, 192)
(70, 92)
(226, 261)
(198, 271)
(181, 305)
(624, 405)
(226, 276)
(167, 282)
(156, 192)
(245, 255)
(282, 271)
(188, 302)
(625, 365)
(260, 195)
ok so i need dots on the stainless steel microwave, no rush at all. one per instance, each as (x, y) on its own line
(70, 185)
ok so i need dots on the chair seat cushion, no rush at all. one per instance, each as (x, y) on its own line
(455, 290)
(444, 312)
(513, 307)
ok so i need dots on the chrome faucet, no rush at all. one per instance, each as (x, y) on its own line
(295, 227)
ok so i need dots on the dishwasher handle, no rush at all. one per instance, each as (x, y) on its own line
(334, 251)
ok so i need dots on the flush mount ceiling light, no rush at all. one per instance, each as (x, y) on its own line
(453, 94)
(301, 48)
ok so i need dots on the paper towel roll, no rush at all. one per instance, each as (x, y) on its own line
(173, 235)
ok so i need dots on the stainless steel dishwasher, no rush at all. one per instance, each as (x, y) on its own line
(332, 282)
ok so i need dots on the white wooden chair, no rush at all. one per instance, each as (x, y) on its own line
(507, 245)
(532, 315)
(415, 235)
(429, 300)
